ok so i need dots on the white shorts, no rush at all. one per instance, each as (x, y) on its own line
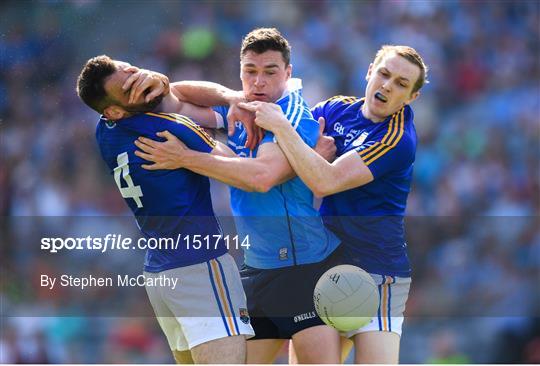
(393, 294)
(207, 303)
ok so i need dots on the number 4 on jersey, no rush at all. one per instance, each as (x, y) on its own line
(131, 191)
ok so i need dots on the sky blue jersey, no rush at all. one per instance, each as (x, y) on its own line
(369, 219)
(166, 203)
(283, 227)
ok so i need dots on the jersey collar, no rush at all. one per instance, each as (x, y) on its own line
(361, 115)
(293, 84)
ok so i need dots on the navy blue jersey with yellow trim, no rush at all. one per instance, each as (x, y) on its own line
(369, 219)
(166, 203)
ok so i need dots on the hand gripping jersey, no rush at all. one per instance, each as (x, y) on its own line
(283, 227)
(369, 219)
(166, 203)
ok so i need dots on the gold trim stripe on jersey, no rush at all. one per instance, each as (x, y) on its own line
(344, 99)
(186, 121)
(388, 142)
(390, 132)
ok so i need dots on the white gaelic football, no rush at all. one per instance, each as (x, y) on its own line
(346, 297)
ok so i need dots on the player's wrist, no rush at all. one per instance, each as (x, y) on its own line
(234, 97)
(283, 127)
(164, 81)
(188, 159)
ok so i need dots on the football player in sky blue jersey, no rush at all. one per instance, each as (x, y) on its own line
(202, 318)
(365, 189)
(290, 248)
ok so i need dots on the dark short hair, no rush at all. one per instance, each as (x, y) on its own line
(261, 40)
(91, 81)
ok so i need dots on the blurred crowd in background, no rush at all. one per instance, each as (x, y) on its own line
(473, 228)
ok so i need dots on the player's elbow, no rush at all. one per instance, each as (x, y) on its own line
(322, 189)
(263, 182)
(262, 187)
(319, 193)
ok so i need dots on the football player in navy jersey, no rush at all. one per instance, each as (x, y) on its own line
(203, 317)
(365, 189)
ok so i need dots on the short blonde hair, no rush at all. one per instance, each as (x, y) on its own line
(411, 55)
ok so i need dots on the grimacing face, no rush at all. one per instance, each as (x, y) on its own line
(113, 87)
(390, 85)
(264, 76)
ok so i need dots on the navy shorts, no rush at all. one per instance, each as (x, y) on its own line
(280, 301)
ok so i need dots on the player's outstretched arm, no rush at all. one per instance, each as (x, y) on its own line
(270, 168)
(155, 84)
(193, 99)
(208, 94)
(323, 178)
(261, 174)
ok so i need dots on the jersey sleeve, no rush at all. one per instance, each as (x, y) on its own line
(392, 150)
(189, 132)
(301, 119)
(329, 109)
(222, 111)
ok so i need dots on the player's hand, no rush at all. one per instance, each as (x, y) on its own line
(326, 146)
(267, 115)
(165, 155)
(142, 80)
(247, 118)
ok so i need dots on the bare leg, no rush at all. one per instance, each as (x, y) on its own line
(318, 344)
(223, 350)
(376, 347)
(346, 347)
(263, 351)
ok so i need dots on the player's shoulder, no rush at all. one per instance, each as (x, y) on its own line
(405, 122)
(408, 113)
(150, 122)
(154, 120)
(343, 99)
(397, 130)
(401, 132)
(401, 118)
(162, 117)
(293, 104)
(338, 103)
(184, 126)
(103, 127)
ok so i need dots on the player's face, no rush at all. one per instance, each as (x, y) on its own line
(389, 87)
(264, 76)
(113, 87)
